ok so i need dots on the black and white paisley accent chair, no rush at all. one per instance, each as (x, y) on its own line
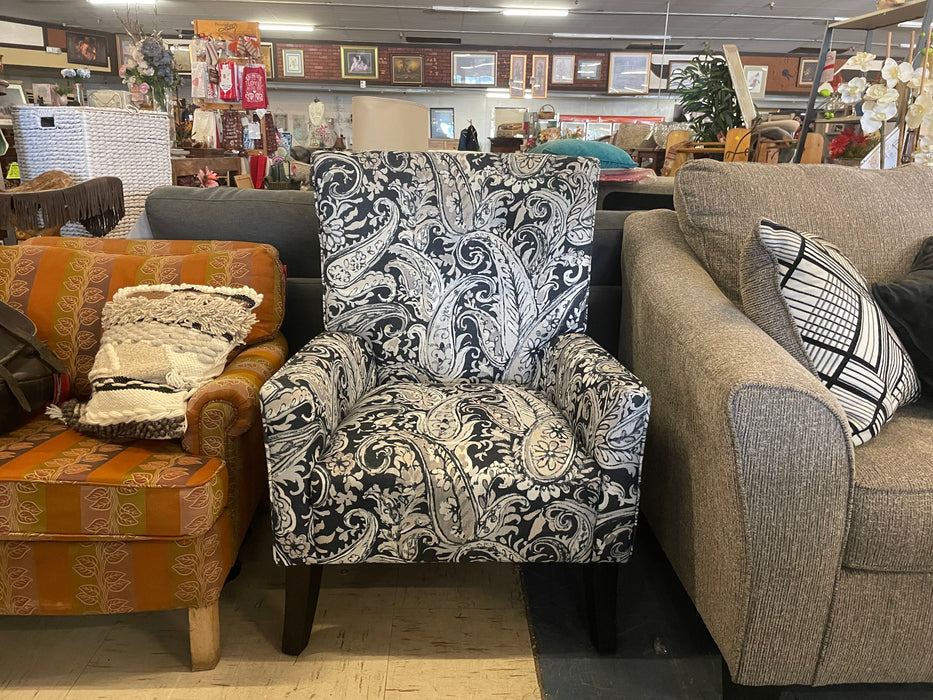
(453, 410)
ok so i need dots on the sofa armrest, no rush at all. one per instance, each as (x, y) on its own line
(607, 407)
(302, 405)
(228, 405)
(748, 464)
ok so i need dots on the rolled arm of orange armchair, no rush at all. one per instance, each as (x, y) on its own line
(236, 390)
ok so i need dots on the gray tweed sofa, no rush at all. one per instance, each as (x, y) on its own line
(810, 561)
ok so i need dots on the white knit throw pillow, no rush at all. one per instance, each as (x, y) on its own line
(159, 344)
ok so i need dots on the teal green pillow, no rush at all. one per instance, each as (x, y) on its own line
(609, 156)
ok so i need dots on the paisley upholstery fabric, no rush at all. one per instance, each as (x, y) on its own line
(55, 481)
(456, 265)
(453, 412)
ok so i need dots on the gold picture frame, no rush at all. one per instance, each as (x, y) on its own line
(629, 73)
(359, 62)
(539, 76)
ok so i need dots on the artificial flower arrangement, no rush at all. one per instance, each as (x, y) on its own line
(207, 178)
(150, 66)
(72, 76)
(850, 144)
(900, 85)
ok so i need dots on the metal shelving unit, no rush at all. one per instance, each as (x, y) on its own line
(868, 23)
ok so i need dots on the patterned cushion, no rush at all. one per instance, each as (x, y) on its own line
(806, 294)
(160, 343)
(63, 290)
(456, 265)
(451, 472)
(56, 483)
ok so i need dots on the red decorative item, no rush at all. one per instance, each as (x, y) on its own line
(254, 88)
(228, 85)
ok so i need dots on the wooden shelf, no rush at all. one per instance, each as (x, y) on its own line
(884, 18)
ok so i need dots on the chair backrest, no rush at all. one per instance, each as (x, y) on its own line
(455, 265)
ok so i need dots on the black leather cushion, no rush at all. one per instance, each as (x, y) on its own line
(908, 305)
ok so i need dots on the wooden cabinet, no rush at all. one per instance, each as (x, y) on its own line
(505, 144)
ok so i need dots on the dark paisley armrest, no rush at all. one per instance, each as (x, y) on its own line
(301, 405)
(608, 408)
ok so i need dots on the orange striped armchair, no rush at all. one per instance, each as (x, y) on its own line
(89, 526)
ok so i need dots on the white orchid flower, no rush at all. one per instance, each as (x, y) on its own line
(874, 114)
(881, 94)
(851, 91)
(920, 112)
(860, 61)
(889, 72)
(924, 151)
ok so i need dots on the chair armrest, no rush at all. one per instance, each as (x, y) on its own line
(228, 405)
(302, 405)
(608, 410)
(748, 464)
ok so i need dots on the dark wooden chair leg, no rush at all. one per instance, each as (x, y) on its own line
(602, 584)
(734, 691)
(302, 585)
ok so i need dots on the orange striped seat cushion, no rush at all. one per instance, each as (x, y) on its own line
(57, 484)
(63, 289)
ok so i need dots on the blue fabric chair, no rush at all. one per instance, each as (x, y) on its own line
(453, 410)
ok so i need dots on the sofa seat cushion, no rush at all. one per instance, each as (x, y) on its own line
(891, 527)
(56, 483)
(63, 289)
(452, 472)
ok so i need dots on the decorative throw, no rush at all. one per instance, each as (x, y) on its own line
(907, 303)
(823, 313)
(159, 344)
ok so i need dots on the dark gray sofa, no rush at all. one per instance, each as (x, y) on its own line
(288, 221)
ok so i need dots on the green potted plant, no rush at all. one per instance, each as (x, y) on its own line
(707, 96)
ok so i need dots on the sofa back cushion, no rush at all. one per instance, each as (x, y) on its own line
(63, 290)
(877, 219)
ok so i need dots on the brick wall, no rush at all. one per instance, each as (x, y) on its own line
(322, 65)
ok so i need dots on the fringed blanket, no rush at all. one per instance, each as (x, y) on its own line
(97, 204)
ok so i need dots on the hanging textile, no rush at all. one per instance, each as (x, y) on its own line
(254, 88)
(231, 130)
(228, 84)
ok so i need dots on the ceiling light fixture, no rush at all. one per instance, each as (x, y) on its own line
(452, 8)
(263, 27)
(523, 12)
(657, 37)
(121, 2)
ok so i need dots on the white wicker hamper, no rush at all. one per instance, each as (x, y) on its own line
(87, 142)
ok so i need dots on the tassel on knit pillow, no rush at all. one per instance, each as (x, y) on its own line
(159, 344)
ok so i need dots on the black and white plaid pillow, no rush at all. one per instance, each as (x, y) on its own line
(853, 350)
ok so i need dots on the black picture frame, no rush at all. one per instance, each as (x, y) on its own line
(87, 49)
(589, 69)
(442, 123)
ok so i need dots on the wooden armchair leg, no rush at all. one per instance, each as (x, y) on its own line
(204, 636)
(602, 582)
(302, 585)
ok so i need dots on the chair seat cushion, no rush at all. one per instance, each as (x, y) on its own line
(891, 526)
(56, 483)
(452, 472)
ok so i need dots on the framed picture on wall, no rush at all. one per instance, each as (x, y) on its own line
(806, 72)
(124, 48)
(517, 75)
(181, 51)
(442, 122)
(265, 53)
(562, 70)
(756, 77)
(473, 69)
(589, 69)
(408, 70)
(359, 62)
(87, 49)
(539, 65)
(293, 63)
(628, 73)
